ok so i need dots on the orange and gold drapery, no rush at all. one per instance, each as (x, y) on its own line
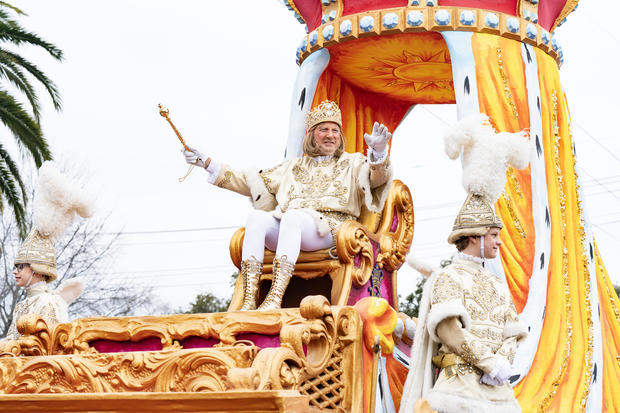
(560, 377)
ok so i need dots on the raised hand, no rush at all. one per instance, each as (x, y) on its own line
(379, 137)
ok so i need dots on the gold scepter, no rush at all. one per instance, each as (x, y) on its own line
(163, 111)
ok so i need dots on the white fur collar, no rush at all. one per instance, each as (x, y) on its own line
(322, 158)
(37, 288)
(466, 257)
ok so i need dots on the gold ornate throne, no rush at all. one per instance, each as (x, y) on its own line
(364, 261)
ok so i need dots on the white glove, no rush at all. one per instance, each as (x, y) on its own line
(379, 138)
(500, 374)
(486, 379)
(194, 157)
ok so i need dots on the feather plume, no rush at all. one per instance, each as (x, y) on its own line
(71, 289)
(420, 266)
(57, 201)
(486, 154)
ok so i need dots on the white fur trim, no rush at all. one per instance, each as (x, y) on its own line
(420, 378)
(517, 329)
(442, 311)
(71, 289)
(376, 158)
(410, 327)
(422, 267)
(399, 329)
(451, 403)
(56, 202)
(383, 190)
(261, 197)
(213, 171)
(486, 154)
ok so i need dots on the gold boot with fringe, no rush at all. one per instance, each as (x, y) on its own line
(251, 270)
(282, 273)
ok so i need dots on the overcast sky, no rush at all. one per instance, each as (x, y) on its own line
(226, 73)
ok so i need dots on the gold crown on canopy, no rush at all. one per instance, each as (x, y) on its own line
(38, 251)
(474, 219)
(326, 111)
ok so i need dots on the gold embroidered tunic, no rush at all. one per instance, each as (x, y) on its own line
(474, 320)
(331, 190)
(40, 300)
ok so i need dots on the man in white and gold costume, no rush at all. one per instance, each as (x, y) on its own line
(468, 327)
(55, 204)
(300, 204)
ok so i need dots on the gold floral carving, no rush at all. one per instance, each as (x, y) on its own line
(72, 338)
(320, 349)
(164, 371)
(34, 338)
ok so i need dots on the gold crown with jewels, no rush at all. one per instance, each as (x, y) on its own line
(326, 111)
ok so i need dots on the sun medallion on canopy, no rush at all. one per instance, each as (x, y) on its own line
(412, 69)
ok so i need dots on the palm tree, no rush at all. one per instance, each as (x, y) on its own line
(21, 118)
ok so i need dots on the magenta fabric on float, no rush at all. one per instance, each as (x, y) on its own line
(261, 340)
(154, 343)
(198, 342)
(394, 226)
(385, 287)
(109, 346)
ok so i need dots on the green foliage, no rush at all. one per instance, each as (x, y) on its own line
(17, 74)
(208, 303)
(411, 304)
(617, 288)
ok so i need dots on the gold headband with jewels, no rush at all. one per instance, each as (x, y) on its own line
(326, 111)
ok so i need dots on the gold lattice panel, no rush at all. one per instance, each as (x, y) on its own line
(326, 390)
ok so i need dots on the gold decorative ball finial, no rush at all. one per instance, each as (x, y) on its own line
(163, 111)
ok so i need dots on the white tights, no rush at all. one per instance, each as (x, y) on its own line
(287, 236)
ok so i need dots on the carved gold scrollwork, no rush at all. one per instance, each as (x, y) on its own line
(354, 240)
(74, 337)
(318, 356)
(280, 368)
(169, 371)
(243, 378)
(34, 340)
(9, 348)
(395, 245)
(321, 331)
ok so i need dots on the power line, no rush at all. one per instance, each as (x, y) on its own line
(175, 270)
(606, 232)
(191, 241)
(167, 231)
(195, 284)
(602, 186)
(434, 114)
(613, 155)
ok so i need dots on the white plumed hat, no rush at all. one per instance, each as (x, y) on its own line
(56, 203)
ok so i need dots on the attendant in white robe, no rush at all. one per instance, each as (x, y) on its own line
(468, 328)
(51, 305)
(56, 203)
